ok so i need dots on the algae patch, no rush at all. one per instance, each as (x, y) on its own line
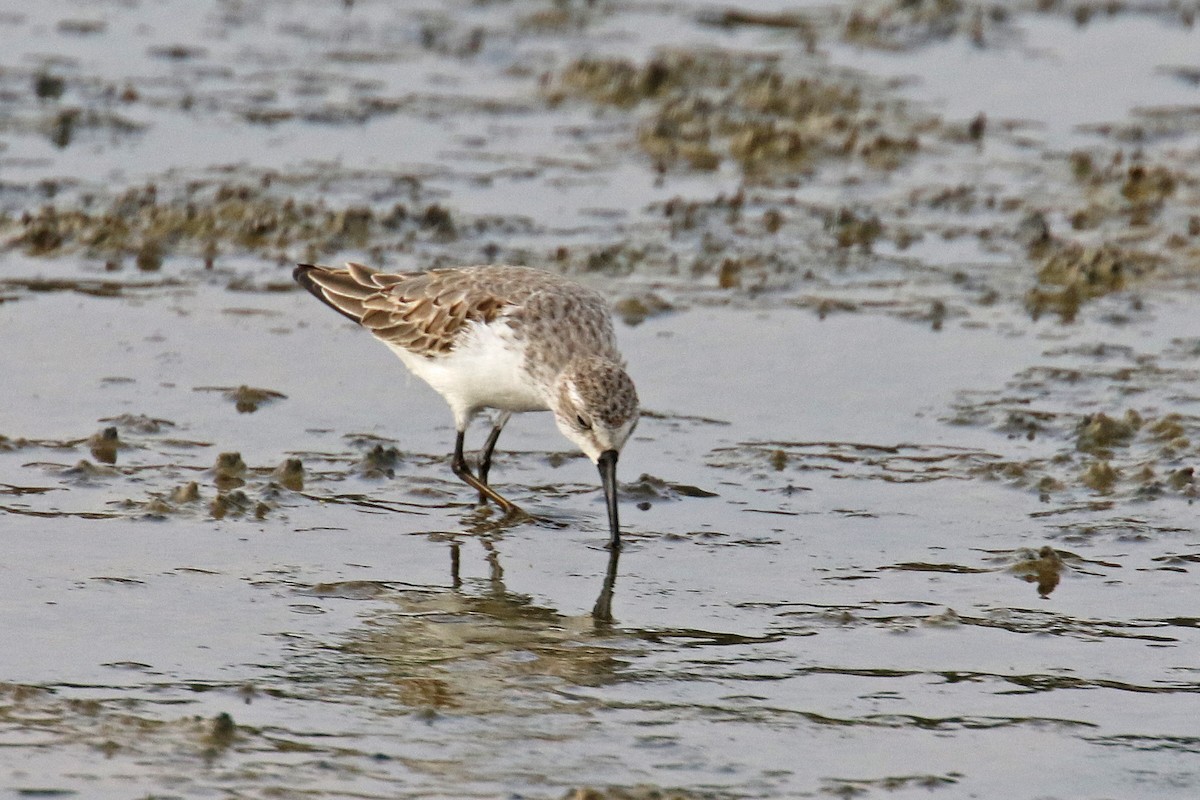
(708, 106)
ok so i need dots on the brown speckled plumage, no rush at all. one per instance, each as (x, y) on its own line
(425, 312)
(609, 385)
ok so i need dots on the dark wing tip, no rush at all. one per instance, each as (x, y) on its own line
(302, 274)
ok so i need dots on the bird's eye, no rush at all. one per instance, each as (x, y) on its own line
(584, 422)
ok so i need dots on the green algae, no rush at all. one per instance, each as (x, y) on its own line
(206, 219)
(708, 106)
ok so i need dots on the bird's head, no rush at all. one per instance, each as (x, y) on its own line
(596, 406)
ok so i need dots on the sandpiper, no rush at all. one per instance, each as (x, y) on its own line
(501, 337)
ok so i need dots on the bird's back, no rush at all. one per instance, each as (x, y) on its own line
(427, 313)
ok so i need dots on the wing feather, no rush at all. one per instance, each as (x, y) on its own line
(423, 312)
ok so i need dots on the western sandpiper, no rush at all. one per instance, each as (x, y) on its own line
(507, 338)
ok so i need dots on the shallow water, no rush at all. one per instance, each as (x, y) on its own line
(892, 526)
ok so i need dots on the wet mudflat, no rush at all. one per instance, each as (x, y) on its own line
(910, 294)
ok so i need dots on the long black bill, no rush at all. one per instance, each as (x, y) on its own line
(608, 474)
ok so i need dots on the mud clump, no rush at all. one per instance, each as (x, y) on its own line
(648, 488)
(636, 309)
(1134, 456)
(1100, 476)
(852, 229)
(1146, 189)
(205, 219)
(903, 25)
(248, 399)
(379, 462)
(139, 423)
(85, 471)
(221, 733)
(48, 86)
(353, 226)
(618, 82)
(157, 508)
(233, 503)
(1071, 274)
(438, 219)
(187, 493)
(1121, 196)
(1045, 568)
(237, 503)
(229, 471)
(1101, 433)
(1170, 431)
(1183, 480)
(63, 126)
(709, 106)
(104, 445)
(290, 475)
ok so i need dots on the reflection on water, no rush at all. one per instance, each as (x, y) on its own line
(477, 647)
(476, 653)
(602, 610)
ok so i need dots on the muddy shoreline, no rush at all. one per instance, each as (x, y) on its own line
(909, 292)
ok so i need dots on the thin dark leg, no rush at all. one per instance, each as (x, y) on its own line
(459, 465)
(485, 456)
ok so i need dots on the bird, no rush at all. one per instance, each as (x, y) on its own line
(510, 338)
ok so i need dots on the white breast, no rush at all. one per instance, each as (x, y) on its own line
(485, 370)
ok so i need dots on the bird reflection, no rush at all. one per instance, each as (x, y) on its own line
(601, 610)
(477, 647)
